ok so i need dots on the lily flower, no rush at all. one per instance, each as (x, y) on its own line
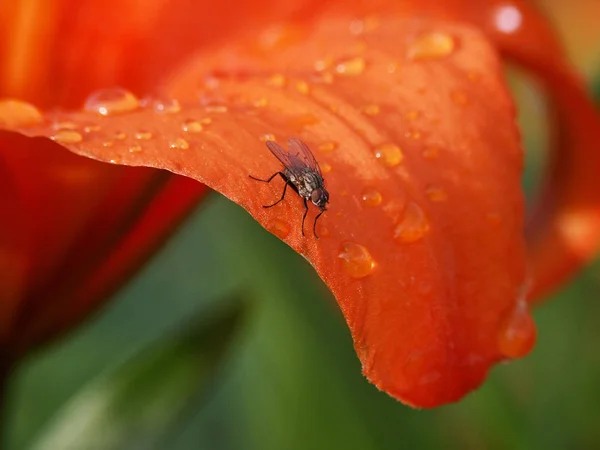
(403, 104)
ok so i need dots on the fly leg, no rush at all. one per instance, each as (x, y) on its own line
(315, 223)
(282, 196)
(304, 216)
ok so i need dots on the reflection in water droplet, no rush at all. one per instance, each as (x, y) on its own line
(67, 137)
(108, 144)
(170, 106)
(459, 98)
(436, 193)
(327, 147)
(371, 197)
(325, 167)
(277, 80)
(91, 128)
(371, 110)
(354, 66)
(389, 155)
(267, 137)
(15, 113)
(356, 259)
(431, 152)
(302, 87)
(517, 334)
(192, 126)
(413, 225)
(120, 136)
(135, 148)
(143, 135)
(431, 46)
(180, 144)
(279, 228)
(111, 101)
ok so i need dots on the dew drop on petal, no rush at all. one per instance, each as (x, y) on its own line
(327, 147)
(92, 128)
(389, 155)
(170, 106)
(436, 193)
(371, 197)
(371, 110)
(267, 137)
(192, 126)
(517, 333)
(135, 148)
(67, 137)
(356, 259)
(15, 113)
(412, 226)
(302, 87)
(120, 136)
(279, 228)
(108, 144)
(325, 167)
(180, 144)
(143, 135)
(108, 102)
(352, 67)
(431, 46)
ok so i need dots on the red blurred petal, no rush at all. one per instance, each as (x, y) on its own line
(428, 278)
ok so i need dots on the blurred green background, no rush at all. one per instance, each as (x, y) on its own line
(228, 340)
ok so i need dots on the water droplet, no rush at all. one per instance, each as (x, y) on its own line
(431, 46)
(170, 106)
(180, 144)
(277, 80)
(371, 197)
(91, 128)
(216, 108)
(261, 102)
(143, 135)
(354, 66)
(120, 136)
(436, 193)
(111, 101)
(325, 167)
(279, 228)
(66, 125)
(389, 155)
(327, 147)
(107, 144)
(356, 259)
(135, 148)
(371, 110)
(267, 137)
(15, 113)
(192, 126)
(517, 333)
(323, 64)
(413, 225)
(459, 98)
(302, 87)
(67, 137)
(431, 152)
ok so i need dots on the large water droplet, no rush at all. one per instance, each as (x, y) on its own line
(279, 228)
(413, 225)
(356, 259)
(111, 101)
(67, 137)
(389, 155)
(168, 106)
(192, 126)
(436, 193)
(180, 144)
(352, 67)
(431, 46)
(15, 113)
(517, 333)
(371, 197)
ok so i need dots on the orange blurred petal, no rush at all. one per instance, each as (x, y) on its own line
(410, 119)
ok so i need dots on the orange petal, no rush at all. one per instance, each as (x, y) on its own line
(412, 124)
(72, 230)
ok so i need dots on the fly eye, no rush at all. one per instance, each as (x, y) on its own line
(315, 196)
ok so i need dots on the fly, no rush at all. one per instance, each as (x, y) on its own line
(302, 173)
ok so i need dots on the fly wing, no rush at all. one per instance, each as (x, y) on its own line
(300, 155)
(280, 154)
